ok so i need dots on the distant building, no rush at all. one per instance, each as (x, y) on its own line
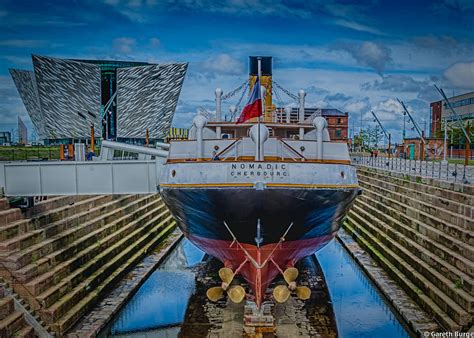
(5, 137)
(338, 121)
(22, 132)
(439, 111)
(411, 148)
(120, 99)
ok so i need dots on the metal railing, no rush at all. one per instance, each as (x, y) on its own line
(451, 172)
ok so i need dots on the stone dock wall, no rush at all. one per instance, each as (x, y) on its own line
(66, 253)
(421, 232)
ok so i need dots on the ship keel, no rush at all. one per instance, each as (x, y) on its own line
(260, 265)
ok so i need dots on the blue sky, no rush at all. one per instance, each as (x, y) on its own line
(353, 55)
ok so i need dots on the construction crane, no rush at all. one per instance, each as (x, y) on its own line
(458, 121)
(418, 130)
(387, 134)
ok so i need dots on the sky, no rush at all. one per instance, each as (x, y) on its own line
(356, 56)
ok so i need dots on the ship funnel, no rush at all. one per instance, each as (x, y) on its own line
(259, 133)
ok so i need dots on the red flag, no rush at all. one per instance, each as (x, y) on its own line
(253, 108)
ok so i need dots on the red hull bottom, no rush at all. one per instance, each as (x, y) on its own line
(259, 266)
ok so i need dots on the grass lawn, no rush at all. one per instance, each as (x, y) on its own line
(17, 153)
(459, 161)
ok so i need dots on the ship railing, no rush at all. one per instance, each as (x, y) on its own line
(291, 151)
(227, 149)
(451, 172)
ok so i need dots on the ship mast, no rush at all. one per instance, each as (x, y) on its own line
(259, 76)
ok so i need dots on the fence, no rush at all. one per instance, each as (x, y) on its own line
(443, 171)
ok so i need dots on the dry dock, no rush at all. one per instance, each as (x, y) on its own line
(66, 259)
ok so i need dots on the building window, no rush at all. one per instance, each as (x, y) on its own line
(339, 121)
(338, 132)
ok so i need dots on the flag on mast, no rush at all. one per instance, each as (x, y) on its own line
(253, 108)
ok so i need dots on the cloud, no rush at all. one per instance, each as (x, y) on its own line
(124, 45)
(11, 105)
(19, 43)
(458, 5)
(222, 64)
(443, 44)
(313, 90)
(395, 83)
(338, 97)
(461, 75)
(155, 42)
(358, 106)
(368, 53)
(358, 27)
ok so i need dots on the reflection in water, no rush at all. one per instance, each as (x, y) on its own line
(158, 308)
(162, 300)
(360, 309)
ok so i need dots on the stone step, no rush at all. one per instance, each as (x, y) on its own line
(34, 253)
(10, 215)
(422, 235)
(53, 202)
(454, 231)
(65, 252)
(4, 204)
(41, 220)
(16, 228)
(61, 270)
(12, 323)
(448, 306)
(69, 210)
(37, 236)
(6, 307)
(437, 188)
(64, 313)
(436, 201)
(26, 332)
(74, 314)
(435, 212)
(417, 256)
(58, 290)
(393, 270)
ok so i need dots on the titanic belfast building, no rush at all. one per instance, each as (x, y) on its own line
(121, 99)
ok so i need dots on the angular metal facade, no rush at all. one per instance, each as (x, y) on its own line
(25, 83)
(146, 98)
(63, 97)
(69, 94)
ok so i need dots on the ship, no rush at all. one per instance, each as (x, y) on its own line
(260, 195)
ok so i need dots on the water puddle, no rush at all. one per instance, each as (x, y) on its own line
(160, 303)
(361, 311)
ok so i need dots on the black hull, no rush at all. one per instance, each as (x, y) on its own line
(314, 213)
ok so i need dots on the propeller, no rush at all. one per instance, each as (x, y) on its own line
(281, 293)
(236, 293)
